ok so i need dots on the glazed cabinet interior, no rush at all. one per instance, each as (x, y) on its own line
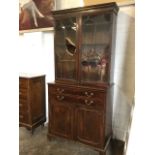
(79, 104)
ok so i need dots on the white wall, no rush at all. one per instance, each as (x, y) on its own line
(68, 4)
(124, 76)
(37, 55)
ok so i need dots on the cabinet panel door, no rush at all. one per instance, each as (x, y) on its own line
(62, 120)
(90, 126)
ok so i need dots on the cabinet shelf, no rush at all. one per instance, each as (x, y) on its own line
(95, 44)
(95, 24)
(67, 61)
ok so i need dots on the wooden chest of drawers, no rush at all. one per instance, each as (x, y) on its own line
(32, 110)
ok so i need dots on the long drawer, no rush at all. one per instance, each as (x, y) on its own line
(64, 98)
(83, 96)
(75, 90)
(60, 89)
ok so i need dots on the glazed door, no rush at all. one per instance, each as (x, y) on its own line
(61, 119)
(65, 49)
(90, 126)
(95, 47)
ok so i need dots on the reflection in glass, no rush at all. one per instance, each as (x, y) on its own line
(70, 46)
(95, 47)
(65, 47)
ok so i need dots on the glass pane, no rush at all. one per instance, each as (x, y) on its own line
(95, 48)
(65, 48)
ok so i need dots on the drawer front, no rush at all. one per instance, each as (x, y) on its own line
(59, 89)
(73, 90)
(91, 102)
(23, 107)
(23, 93)
(23, 97)
(61, 98)
(83, 96)
(92, 98)
(23, 101)
(23, 117)
(23, 83)
(91, 94)
(88, 102)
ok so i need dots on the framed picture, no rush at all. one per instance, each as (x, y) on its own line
(35, 14)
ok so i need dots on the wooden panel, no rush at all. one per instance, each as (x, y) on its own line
(37, 96)
(65, 98)
(89, 127)
(23, 93)
(23, 83)
(62, 120)
(63, 89)
(23, 107)
(22, 101)
(23, 117)
(91, 103)
(91, 93)
(76, 90)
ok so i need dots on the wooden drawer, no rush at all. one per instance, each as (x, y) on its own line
(80, 91)
(57, 98)
(80, 95)
(23, 117)
(24, 97)
(23, 107)
(92, 93)
(91, 102)
(23, 93)
(23, 83)
(23, 101)
(60, 89)
(77, 100)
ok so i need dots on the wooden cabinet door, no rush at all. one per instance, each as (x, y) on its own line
(61, 120)
(90, 126)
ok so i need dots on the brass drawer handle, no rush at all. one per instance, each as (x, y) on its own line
(60, 90)
(89, 94)
(60, 97)
(89, 102)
